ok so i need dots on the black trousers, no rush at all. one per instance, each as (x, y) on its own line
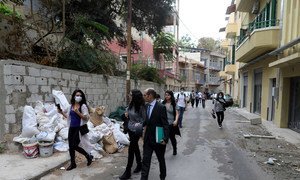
(220, 117)
(197, 102)
(133, 150)
(203, 103)
(159, 150)
(172, 137)
(74, 140)
(192, 102)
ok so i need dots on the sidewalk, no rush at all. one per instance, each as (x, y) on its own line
(16, 166)
(285, 133)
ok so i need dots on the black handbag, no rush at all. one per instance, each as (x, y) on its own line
(84, 129)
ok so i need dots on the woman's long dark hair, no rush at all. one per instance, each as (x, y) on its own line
(137, 100)
(173, 102)
(220, 93)
(83, 101)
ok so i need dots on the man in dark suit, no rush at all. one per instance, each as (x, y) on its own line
(156, 116)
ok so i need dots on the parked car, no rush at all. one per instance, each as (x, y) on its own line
(228, 99)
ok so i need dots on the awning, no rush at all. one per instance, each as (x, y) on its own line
(231, 9)
(287, 61)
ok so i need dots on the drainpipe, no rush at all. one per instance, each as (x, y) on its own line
(276, 96)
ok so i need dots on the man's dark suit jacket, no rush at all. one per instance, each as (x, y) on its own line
(158, 118)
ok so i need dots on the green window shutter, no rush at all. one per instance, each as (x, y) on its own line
(233, 54)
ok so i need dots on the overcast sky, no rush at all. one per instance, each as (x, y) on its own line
(202, 18)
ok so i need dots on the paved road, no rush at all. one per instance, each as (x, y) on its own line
(204, 152)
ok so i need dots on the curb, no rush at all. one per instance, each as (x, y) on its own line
(39, 176)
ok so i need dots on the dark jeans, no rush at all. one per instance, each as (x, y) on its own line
(192, 102)
(74, 140)
(181, 111)
(159, 150)
(133, 150)
(172, 137)
(220, 117)
(197, 102)
(203, 103)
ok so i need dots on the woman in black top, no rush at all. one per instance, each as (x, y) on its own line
(172, 115)
(136, 112)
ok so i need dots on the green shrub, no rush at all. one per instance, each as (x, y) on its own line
(141, 71)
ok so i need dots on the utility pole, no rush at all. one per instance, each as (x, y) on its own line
(128, 51)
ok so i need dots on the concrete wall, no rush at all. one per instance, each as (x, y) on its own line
(23, 83)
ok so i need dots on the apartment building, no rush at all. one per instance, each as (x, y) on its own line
(267, 46)
(191, 74)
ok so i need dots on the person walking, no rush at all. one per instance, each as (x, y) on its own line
(192, 98)
(136, 114)
(172, 115)
(77, 116)
(156, 119)
(197, 98)
(219, 108)
(181, 103)
(203, 98)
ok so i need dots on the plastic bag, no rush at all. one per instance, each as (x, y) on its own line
(61, 99)
(29, 122)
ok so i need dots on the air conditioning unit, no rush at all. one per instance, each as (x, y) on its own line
(255, 8)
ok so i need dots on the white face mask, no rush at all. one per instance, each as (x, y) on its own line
(181, 92)
(78, 98)
(220, 96)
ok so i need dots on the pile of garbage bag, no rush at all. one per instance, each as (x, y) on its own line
(45, 123)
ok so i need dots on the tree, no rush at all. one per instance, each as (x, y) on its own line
(208, 43)
(164, 44)
(186, 41)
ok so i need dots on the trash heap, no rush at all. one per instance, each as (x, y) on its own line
(44, 129)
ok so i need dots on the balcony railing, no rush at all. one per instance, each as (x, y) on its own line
(256, 25)
(266, 18)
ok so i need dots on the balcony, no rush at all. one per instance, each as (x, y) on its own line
(259, 42)
(213, 82)
(244, 5)
(231, 30)
(171, 20)
(230, 69)
(222, 74)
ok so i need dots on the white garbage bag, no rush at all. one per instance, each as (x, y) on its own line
(61, 99)
(29, 122)
(64, 133)
(61, 146)
(119, 136)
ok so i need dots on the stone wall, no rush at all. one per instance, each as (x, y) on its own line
(23, 83)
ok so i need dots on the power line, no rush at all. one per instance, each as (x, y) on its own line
(186, 27)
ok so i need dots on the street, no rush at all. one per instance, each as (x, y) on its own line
(204, 152)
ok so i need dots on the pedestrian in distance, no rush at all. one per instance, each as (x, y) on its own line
(156, 121)
(219, 108)
(136, 114)
(181, 103)
(192, 98)
(77, 116)
(197, 98)
(172, 115)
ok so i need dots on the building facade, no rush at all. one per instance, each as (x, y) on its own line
(267, 46)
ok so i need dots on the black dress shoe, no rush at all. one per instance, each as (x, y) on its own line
(89, 160)
(174, 152)
(125, 175)
(72, 166)
(138, 168)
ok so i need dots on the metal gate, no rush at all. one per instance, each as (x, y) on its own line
(294, 115)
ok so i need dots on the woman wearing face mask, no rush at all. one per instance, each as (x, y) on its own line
(219, 108)
(77, 116)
